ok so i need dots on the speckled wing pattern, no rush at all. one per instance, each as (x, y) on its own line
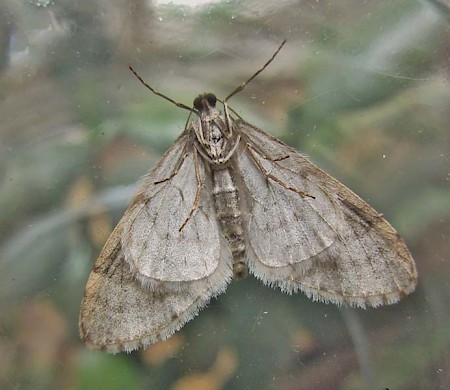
(151, 278)
(331, 245)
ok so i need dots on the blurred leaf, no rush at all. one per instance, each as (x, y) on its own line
(100, 371)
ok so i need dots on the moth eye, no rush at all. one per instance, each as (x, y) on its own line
(211, 98)
(198, 103)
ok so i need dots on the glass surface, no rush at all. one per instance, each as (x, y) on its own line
(360, 87)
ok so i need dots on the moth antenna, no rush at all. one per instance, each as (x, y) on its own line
(181, 105)
(242, 86)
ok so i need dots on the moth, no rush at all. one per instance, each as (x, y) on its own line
(227, 199)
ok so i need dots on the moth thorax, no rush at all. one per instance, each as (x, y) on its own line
(216, 141)
(215, 137)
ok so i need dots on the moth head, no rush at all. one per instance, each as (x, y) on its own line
(214, 130)
(205, 102)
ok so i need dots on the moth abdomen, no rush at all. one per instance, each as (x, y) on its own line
(227, 204)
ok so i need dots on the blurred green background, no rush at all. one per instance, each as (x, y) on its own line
(363, 88)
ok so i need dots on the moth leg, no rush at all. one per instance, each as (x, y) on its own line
(234, 112)
(199, 132)
(228, 120)
(231, 152)
(197, 193)
(222, 160)
(187, 121)
(175, 171)
(253, 151)
(265, 156)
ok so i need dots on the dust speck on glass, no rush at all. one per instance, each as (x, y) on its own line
(227, 199)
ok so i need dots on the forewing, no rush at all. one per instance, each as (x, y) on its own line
(355, 256)
(170, 237)
(118, 314)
